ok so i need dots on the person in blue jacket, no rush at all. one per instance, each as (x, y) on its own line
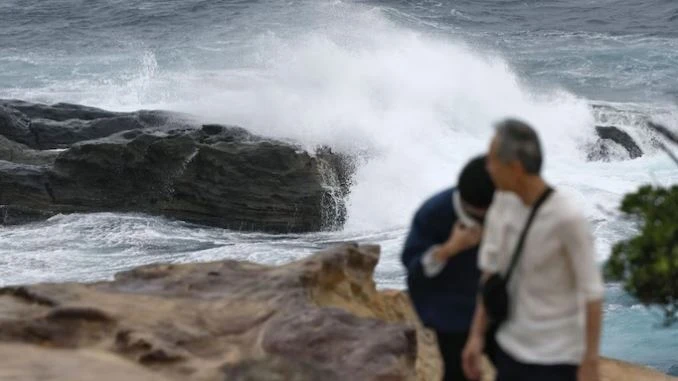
(441, 259)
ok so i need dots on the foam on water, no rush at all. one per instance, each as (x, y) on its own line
(88, 247)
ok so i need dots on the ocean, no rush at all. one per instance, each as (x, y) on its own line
(408, 88)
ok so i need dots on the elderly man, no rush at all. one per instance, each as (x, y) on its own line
(552, 328)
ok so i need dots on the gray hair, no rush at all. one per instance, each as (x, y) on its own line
(518, 141)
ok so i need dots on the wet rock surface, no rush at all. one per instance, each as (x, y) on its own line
(69, 158)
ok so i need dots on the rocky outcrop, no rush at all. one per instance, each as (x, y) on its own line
(40, 126)
(613, 124)
(664, 131)
(33, 363)
(68, 158)
(21, 154)
(320, 318)
(214, 321)
(610, 137)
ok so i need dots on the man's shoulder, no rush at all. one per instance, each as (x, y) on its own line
(505, 197)
(442, 198)
(567, 208)
(437, 203)
(504, 200)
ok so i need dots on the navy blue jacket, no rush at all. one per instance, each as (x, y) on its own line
(447, 301)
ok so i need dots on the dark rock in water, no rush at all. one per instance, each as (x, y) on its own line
(16, 215)
(606, 150)
(620, 137)
(51, 134)
(19, 153)
(337, 171)
(196, 177)
(673, 371)
(57, 112)
(155, 162)
(24, 193)
(23, 184)
(603, 149)
(664, 131)
(15, 126)
(59, 126)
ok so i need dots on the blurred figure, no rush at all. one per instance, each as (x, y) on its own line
(441, 256)
(552, 329)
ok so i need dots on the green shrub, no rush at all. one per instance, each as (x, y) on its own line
(647, 265)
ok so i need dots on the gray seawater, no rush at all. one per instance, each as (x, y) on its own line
(409, 87)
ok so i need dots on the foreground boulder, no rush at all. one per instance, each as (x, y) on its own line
(320, 318)
(226, 320)
(68, 158)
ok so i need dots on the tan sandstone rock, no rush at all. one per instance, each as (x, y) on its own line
(320, 318)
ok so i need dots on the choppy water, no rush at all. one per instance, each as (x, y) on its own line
(411, 87)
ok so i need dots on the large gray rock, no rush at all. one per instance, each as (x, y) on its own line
(58, 112)
(157, 162)
(15, 126)
(620, 137)
(62, 125)
(20, 153)
(24, 193)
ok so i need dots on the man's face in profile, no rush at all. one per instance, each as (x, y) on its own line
(503, 175)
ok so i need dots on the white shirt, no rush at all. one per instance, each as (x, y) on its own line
(554, 278)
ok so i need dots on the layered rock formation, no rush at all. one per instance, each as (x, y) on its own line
(68, 158)
(320, 318)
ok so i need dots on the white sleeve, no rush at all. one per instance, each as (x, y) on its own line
(579, 244)
(432, 266)
(488, 256)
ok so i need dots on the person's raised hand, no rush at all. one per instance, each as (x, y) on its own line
(461, 238)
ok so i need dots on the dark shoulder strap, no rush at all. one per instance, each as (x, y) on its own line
(519, 248)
